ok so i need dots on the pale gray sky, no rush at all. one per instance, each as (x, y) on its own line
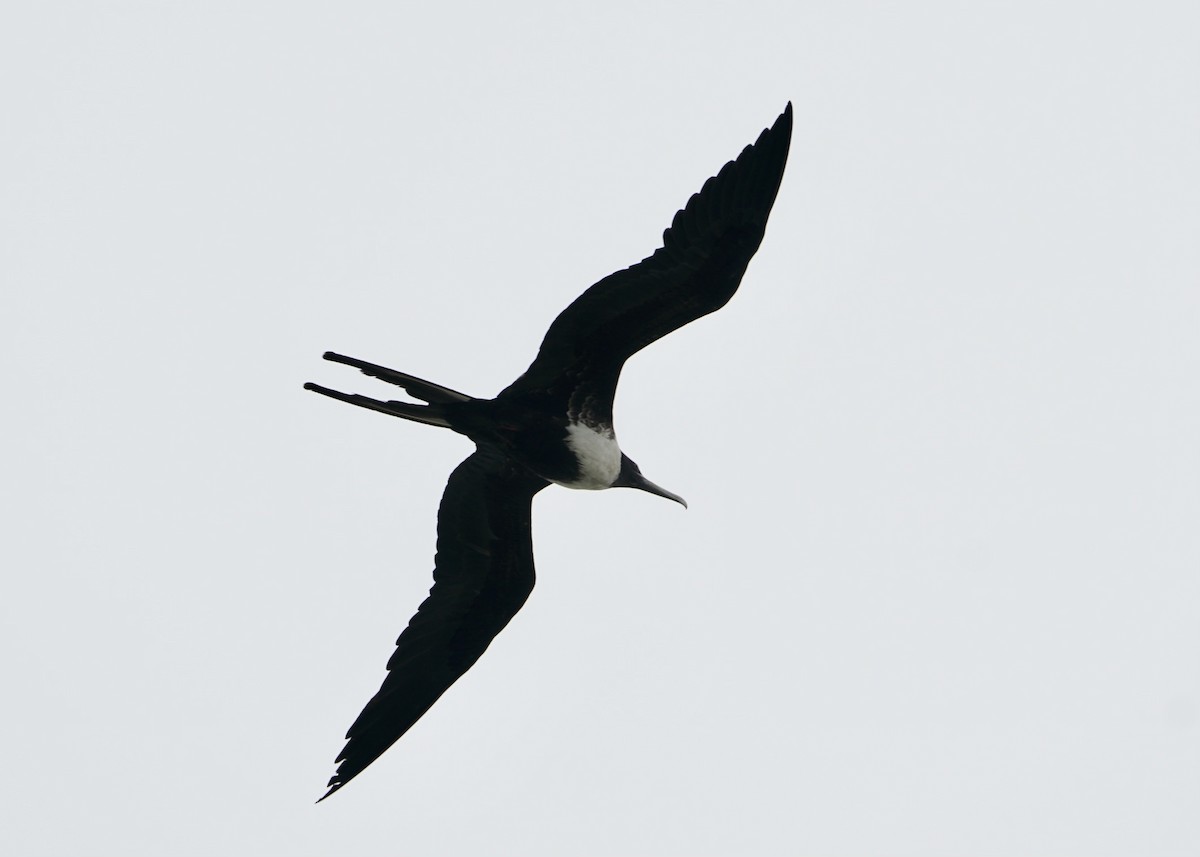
(938, 588)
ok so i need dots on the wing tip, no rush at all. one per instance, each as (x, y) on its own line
(784, 123)
(334, 785)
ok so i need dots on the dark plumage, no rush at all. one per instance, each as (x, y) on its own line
(553, 424)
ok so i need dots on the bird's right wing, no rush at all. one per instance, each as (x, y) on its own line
(695, 272)
(483, 574)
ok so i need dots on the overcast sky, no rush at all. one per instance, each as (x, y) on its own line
(938, 588)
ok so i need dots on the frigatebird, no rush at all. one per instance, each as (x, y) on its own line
(553, 424)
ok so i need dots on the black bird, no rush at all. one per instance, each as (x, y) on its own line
(553, 424)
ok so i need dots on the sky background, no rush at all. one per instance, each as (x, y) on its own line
(938, 588)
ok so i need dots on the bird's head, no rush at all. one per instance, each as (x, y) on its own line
(631, 477)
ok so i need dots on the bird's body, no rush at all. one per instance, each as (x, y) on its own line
(554, 424)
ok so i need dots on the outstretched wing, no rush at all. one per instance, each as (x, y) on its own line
(483, 574)
(704, 255)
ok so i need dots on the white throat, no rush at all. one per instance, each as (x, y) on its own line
(598, 455)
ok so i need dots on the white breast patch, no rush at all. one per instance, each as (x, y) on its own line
(598, 455)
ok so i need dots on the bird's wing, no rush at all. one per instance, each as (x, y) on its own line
(483, 574)
(695, 272)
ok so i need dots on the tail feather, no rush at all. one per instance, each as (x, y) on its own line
(437, 396)
(429, 414)
(426, 391)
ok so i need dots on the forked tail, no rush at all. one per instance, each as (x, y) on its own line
(435, 394)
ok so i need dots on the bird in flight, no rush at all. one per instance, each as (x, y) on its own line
(553, 424)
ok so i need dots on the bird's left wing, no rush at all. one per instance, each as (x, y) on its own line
(483, 574)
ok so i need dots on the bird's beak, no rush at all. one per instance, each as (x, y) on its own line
(646, 485)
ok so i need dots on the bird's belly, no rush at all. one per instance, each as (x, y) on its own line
(598, 455)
